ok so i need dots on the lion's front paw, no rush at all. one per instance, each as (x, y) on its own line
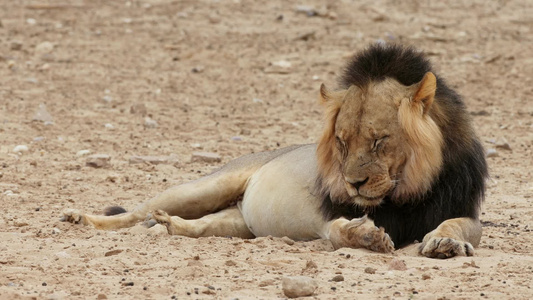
(376, 239)
(444, 247)
(73, 216)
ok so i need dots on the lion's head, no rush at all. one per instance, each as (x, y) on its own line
(380, 138)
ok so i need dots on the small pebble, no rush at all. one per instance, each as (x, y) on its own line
(207, 157)
(42, 114)
(44, 48)
(149, 123)
(107, 98)
(338, 278)
(426, 276)
(370, 270)
(491, 152)
(56, 231)
(21, 149)
(109, 126)
(98, 160)
(83, 152)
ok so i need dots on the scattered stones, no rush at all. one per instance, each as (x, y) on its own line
(337, 278)
(287, 240)
(149, 123)
(44, 48)
(491, 152)
(370, 270)
(397, 264)
(502, 143)
(113, 252)
(21, 149)
(42, 115)
(154, 160)
(98, 160)
(83, 153)
(298, 286)
(207, 157)
(138, 109)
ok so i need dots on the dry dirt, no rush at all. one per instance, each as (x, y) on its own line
(232, 77)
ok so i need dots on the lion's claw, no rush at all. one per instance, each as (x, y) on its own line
(444, 247)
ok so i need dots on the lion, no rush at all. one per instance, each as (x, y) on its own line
(398, 162)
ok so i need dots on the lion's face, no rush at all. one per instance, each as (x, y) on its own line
(379, 141)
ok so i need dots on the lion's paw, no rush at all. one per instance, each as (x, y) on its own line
(73, 216)
(444, 247)
(376, 239)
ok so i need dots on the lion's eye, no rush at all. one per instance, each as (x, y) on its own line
(378, 143)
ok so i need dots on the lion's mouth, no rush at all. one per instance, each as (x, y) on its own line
(368, 201)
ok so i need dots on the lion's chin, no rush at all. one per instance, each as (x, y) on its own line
(367, 202)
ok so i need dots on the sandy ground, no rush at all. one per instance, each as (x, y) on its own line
(232, 77)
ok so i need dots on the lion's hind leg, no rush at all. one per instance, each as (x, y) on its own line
(227, 222)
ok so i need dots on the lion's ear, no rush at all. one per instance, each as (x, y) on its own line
(327, 96)
(425, 91)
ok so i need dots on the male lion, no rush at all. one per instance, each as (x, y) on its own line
(398, 151)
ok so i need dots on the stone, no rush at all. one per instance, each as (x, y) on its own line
(42, 114)
(207, 157)
(298, 286)
(83, 152)
(397, 264)
(16, 45)
(149, 123)
(370, 270)
(98, 160)
(337, 278)
(502, 143)
(44, 48)
(21, 149)
(154, 160)
(491, 152)
(113, 252)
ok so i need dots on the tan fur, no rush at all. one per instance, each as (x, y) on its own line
(456, 236)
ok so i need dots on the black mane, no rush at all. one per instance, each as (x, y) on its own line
(459, 188)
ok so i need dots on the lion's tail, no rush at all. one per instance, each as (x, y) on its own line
(114, 210)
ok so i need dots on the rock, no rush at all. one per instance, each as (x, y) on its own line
(98, 160)
(83, 152)
(287, 240)
(44, 48)
(149, 123)
(236, 138)
(198, 69)
(154, 160)
(338, 278)
(101, 297)
(56, 231)
(230, 263)
(502, 143)
(16, 45)
(21, 149)
(207, 157)
(107, 98)
(307, 10)
(138, 109)
(298, 286)
(42, 115)
(109, 126)
(370, 270)
(113, 252)
(31, 21)
(62, 254)
(397, 264)
(491, 152)
(426, 276)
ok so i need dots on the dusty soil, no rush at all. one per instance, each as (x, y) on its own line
(232, 77)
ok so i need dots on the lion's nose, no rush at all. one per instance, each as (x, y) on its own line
(358, 184)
